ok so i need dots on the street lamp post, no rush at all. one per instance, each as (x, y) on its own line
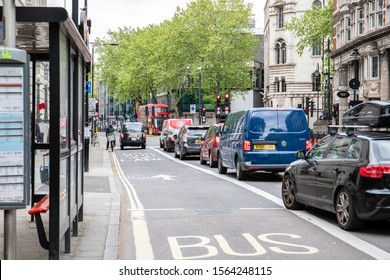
(316, 76)
(200, 95)
(328, 91)
(355, 83)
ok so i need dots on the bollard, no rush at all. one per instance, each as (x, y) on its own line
(86, 154)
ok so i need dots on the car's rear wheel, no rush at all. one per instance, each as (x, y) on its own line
(345, 211)
(221, 168)
(240, 174)
(212, 163)
(288, 194)
(161, 145)
(122, 147)
(143, 146)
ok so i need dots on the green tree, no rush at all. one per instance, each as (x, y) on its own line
(314, 26)
(212, 34)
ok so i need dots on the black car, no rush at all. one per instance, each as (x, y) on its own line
(373, 113)
(347, 174)
(188, 140)
(132, 134)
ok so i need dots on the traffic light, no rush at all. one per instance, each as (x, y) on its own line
(227, 104)
(312, 107)
(218, 100)
(203, 115)
(97, 108)
(306, 108)
(203, 111)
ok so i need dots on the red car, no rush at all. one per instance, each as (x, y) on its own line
(209, 147)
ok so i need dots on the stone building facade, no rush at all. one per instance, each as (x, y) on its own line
(361, 52)
(289, 79)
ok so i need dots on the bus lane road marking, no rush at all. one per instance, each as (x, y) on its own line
(333, 230)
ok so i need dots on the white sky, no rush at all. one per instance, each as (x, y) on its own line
(111, 15)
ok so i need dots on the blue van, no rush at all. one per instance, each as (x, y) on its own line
(262, 139)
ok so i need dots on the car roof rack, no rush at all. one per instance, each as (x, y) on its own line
(351, 129)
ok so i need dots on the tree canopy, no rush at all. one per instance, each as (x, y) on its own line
(211, 36)
(314, 26)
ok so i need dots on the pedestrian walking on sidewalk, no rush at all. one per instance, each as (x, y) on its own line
(109, 131)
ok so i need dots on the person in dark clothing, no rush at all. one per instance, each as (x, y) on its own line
(109, 131)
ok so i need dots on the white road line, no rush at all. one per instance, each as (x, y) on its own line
(143, 246)
(337, 232)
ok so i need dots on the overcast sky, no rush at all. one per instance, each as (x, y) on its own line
(111, 15)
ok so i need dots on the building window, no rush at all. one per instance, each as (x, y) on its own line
(316, 49)
(317, 3)
(347, 29)
(375, 13)
(360, 22)
(280, 17)
(283, 85)
(315, 82)
(374, 67)
(280, 52)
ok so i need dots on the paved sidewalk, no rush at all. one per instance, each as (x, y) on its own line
(98, 232)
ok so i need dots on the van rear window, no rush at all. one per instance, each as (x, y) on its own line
(277, 121)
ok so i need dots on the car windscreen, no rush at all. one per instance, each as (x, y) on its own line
(271, 121)
(382, 149)
(132, 127)
(195, 131)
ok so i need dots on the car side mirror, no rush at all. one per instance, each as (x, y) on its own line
(301, 154)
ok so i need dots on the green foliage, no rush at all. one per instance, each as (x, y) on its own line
(208, 34)
(315, 25)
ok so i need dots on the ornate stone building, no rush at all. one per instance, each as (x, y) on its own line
(361, 54)
(290, 80)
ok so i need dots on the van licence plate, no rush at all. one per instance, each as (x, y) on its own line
(264, 147)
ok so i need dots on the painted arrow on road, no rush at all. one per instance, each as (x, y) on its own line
(165, 177)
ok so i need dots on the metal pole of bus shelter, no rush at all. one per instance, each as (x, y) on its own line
(9, 13)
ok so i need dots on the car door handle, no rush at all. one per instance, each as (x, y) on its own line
(338, 171)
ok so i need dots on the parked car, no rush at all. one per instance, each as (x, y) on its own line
(373, 113)
(188, 140)
(347, 174)
(171, 125)
(132, 134)
(263, 139)
(209, 146)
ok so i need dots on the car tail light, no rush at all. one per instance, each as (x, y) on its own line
(246, 145)
(172, 139)
(216, 141)
(374, 171)
(308, 145)
(122, 136)
(143, 135)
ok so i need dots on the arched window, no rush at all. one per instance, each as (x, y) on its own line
(281, 52)
(317, 3)
(316, 82)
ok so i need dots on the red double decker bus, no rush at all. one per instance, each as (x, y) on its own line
(152, 116)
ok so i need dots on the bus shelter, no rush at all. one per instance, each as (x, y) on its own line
(58, 66)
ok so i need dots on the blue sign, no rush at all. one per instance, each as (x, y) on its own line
(89, 87)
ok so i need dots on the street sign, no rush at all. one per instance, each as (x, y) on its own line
(354, 84)
(92, 104)
(192, 108)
